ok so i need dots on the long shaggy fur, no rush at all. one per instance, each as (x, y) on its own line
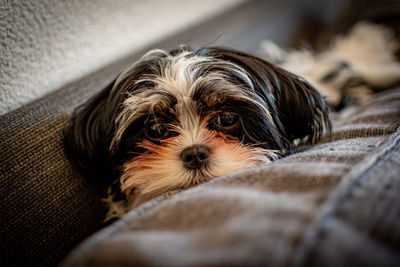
(241, 110)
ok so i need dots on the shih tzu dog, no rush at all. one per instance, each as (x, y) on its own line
(178, 118)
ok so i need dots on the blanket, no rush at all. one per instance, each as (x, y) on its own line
(336, 203)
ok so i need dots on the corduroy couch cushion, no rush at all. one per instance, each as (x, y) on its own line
(336, 203)
(47, 206)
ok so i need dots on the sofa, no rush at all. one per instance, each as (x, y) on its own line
(334, 203)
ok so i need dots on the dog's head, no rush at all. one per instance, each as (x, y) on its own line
(177, 118)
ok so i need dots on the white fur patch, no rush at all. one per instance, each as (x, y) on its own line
(368, 49)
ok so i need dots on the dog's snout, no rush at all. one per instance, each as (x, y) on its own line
(195, 157)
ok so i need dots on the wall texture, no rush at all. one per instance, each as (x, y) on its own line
(47, 43)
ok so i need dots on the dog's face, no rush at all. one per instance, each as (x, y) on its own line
(177, 118)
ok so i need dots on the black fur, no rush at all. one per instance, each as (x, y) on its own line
(299, 111)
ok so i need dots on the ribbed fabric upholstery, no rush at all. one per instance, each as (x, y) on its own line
(336, 203)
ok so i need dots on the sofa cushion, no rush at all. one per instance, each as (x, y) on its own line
(336, 203)
(47, 205)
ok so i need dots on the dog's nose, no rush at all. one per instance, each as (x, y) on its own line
(195, 157)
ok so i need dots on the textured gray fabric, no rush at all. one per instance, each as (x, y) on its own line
(360, 224)
(47, 206)
(336, 203)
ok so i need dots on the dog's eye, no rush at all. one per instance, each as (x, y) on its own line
(227, 120)
(157, 131)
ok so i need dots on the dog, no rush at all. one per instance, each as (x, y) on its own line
(178, 118)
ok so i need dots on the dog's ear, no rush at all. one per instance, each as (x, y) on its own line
(302, 110)
(298, 110)
(86, 135)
